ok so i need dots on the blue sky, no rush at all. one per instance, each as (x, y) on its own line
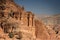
(41, 6)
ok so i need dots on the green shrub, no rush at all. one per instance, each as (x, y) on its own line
(11, 35)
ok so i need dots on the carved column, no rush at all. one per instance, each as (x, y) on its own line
(32, 19)
(28, 18)
(20, 15)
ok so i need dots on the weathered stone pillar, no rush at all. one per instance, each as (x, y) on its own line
(20, 15)
(28, 16)
(23, 18)
(32, 19)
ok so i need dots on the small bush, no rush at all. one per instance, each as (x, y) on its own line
(11, 35)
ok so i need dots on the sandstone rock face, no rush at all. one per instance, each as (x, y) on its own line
(18, 24)
(41, 32)
(15, 22)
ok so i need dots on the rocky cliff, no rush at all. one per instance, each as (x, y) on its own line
(18, 24)
(15, 22)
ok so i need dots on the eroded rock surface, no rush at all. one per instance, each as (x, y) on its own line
(18, 24)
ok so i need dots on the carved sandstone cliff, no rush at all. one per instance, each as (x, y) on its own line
(18, 24)
(15, 22)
